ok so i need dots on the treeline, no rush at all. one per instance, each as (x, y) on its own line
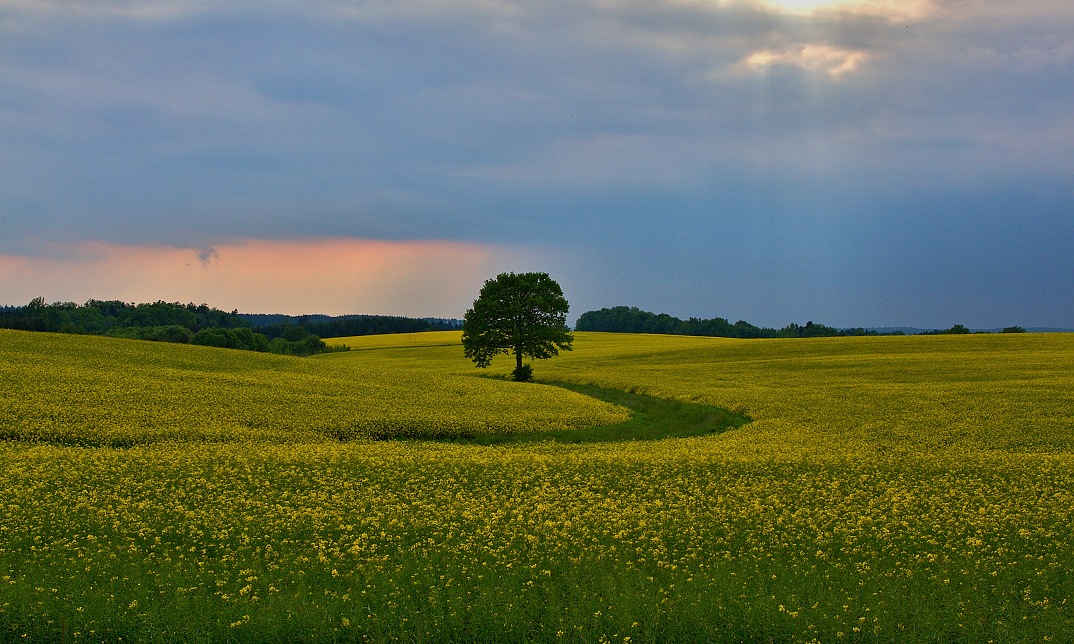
(284, 326)
(623, 319)
(960, 329)
(157, 321)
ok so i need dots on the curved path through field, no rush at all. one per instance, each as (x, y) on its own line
(651, 418)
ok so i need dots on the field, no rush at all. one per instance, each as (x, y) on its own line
(887, 489)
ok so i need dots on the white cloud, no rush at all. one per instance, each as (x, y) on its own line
(823, 58)
(893, 10)
(1025, 59)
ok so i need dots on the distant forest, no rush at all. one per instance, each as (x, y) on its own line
(200, 324)
(630, 319)
(301, 335)
(346, 325)
(624, 319)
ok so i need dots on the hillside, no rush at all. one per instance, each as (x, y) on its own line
(916, 488)
(85, 390)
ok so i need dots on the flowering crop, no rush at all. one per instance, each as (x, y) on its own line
(844, 396)
(917, 489)
(103, 391)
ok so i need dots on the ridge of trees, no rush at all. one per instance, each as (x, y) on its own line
(200, 324)
(157, 321)
(630, 319)
(288, 326)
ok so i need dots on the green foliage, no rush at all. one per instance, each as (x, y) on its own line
(957, 329)
(220, 338)
(295, 328)
(170, 333)
(98, 317)
(522, 374)
(307, 346)
(247, 340)
(1013, 329)
(292, 332)
(524, 314)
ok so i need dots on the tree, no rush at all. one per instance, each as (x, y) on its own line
(523, 314)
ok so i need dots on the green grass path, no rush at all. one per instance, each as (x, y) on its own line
(651, 419)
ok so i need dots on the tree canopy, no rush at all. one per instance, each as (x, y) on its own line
(524, 314)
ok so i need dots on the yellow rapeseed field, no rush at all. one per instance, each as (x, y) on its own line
(888, 489)
(105, 391)
(836, 396)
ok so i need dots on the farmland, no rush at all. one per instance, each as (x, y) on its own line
(913, 488)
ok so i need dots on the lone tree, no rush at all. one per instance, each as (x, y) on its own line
(524, 314)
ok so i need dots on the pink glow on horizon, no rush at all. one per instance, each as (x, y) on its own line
(331, 276)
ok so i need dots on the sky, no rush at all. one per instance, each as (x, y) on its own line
(856, 163)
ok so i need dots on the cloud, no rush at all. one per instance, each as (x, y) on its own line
(155, 10)
(833, 61)
(333, 276)
(400, 96)
(692, 127)
(207, 256)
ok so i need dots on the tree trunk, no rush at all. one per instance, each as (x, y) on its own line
(518, 359)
